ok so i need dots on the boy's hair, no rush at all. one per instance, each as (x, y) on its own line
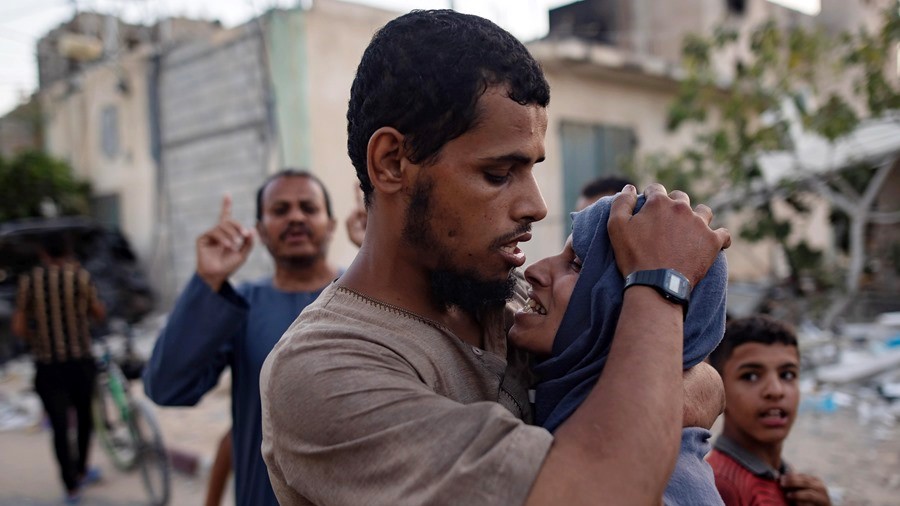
(751, 329)
(423, 74)
(290, 173)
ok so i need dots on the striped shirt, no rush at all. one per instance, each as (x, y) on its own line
(56, 301)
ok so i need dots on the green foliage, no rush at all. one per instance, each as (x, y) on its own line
(744, 117)
(765, 224)
(833, 120)
(32, 178)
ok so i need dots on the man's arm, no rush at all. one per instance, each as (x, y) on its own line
(19, 323)
(19, 318)
(96, 309)
(196, 344)
(623, 440)
(704, 396)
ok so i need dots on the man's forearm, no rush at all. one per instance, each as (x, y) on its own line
(623, 440)
(19, 324)
(189, 353)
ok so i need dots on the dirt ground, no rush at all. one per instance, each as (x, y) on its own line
(852, 442)
(859, 462)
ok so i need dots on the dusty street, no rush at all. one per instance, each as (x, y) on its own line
(860, 462)
(28, 473)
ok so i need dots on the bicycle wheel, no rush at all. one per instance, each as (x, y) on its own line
(153, 459)
(112, 425)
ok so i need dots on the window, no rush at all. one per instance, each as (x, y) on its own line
(590, 151)
(109, 131)
(736, 6)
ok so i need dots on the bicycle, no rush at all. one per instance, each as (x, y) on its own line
(126, 426)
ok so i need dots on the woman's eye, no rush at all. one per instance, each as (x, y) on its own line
(576, 264)
(789, 375)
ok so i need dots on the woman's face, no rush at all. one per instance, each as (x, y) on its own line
(552, 281)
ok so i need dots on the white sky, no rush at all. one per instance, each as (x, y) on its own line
(23, 22)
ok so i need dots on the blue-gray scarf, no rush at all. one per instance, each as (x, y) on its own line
(586, 332)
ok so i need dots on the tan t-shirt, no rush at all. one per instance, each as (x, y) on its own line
(365, 403)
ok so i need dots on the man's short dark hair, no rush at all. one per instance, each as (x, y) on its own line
(423, 74)
(606, 185)
(290, 173)
(751, 329)
(55, 245)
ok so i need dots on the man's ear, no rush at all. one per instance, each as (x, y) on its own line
(384, 158)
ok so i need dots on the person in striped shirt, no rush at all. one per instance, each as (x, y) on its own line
(55, 305)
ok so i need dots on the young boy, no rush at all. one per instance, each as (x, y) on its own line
(759, 362)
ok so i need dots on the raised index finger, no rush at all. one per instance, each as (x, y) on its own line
(225, 213)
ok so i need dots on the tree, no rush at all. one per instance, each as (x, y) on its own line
(789, 87)
(33, 181)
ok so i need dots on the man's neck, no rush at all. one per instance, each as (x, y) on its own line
(303, 278)
(466, 327)
(403, 285)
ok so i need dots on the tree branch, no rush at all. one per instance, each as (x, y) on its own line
(878, 180)
(845, 188)
(834, 197)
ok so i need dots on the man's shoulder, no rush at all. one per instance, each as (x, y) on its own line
(339, 312)
(337, 329)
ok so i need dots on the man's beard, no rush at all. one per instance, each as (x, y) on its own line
(450, 286)
(298, 261)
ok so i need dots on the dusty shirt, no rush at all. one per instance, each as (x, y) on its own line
(365, 403)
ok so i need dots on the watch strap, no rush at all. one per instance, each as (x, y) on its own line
(669, 283)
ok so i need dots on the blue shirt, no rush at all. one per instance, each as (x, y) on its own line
(208, 331)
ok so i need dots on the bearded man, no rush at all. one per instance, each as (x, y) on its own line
(398, 385)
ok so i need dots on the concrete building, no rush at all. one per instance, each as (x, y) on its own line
(164, 120)
(164, 128)
(97, 93)
(613, 66)
(238, 106)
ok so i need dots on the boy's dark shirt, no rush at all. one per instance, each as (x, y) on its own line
(742, 478)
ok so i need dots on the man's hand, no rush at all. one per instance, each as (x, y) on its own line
(704, 396)
(805, 490)
(666, 233)
(356, 222)
(222, 249)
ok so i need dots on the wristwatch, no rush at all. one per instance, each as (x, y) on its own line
(671, 284)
